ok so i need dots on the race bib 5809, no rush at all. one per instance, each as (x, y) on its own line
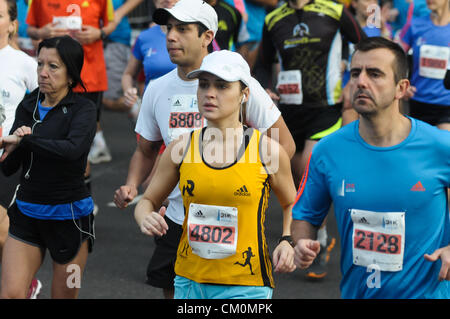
(184, 115)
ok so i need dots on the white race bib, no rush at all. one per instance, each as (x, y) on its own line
(212, 230)
(289, 87)
(72, 22)
(184, 115)
(433, 61)
(378, 239)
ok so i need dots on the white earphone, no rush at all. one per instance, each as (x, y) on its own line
(243, 98)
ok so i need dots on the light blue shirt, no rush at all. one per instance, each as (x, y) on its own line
(43, 110)
(422, 31)
(122, 33)
(150, 48)
(22, 9)
(411, 177)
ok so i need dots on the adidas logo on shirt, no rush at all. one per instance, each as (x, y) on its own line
(418, 187)
(364, 221)
(243, 191)
(199, 214)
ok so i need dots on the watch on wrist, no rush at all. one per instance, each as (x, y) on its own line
(102, 34)
(287, 238)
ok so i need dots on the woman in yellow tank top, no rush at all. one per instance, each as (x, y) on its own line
(225, 172)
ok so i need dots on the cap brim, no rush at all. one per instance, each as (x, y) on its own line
(161, 15)
(196, 73)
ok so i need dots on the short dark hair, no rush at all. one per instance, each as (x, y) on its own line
(12, 13)
(202, 29)
(71, 53)
(12, 9)
(400, 64)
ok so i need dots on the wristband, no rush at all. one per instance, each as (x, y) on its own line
(287, 238)
(102, 34)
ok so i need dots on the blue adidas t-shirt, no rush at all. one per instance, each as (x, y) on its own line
(409, 179)
(150, 48)
(431, 52)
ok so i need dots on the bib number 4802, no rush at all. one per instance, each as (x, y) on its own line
(211, 234)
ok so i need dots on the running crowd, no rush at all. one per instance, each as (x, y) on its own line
(322, 102)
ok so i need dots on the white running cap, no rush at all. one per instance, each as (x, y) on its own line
(189, 11)
(227, 65)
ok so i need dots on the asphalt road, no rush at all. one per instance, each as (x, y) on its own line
(116, 267)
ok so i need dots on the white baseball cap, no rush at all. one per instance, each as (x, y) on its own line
(227, 65)
(189, 11)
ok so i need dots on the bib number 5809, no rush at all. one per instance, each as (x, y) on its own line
(185, 120)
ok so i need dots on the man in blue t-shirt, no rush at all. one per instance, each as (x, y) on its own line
(150, 51)
(387, 176)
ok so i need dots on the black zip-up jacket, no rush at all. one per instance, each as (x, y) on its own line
(54, 157)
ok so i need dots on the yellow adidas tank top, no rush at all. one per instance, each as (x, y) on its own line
(223, 239)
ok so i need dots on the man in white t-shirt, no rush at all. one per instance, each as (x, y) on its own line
(17, 77)
(169, 108)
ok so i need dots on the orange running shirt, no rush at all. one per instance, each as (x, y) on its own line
(95, 13)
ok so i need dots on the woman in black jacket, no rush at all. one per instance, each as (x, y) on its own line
(50, 141)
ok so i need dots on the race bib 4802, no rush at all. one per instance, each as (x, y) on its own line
(212, 230)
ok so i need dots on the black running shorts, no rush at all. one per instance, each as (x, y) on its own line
(97, 98)
(62, 238)
(8, 187)
(310, 123)
(160, 270)
(429, 113)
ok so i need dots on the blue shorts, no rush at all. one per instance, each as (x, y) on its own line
(188, 289)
